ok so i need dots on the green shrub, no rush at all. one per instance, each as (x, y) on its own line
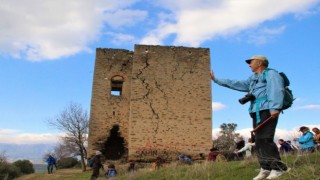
(68, 162)
(9, 171)
(26, 167)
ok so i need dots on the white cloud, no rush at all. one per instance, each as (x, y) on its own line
(216, 106)
(49, 30)
(17, 137)
(280, 133)
(199, 20)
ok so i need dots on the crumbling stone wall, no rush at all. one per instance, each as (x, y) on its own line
(108, 112)
(165, 105)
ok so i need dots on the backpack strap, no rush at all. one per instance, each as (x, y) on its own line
(258, 101)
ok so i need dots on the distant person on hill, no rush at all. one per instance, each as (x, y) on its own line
(239, 145)
(132, 167)
(111, 171)
(97, 164)
(265, 93)
(294, 148)
(51, 161)
(213, 154)
(284, 147)
(316, 137)
(157, 164)
(306, 140)
(247, 149)
(184, 159)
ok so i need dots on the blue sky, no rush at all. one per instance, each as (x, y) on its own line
(47, 53)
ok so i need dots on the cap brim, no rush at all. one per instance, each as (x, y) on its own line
(248, 61)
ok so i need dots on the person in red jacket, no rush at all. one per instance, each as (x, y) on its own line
(213, 154)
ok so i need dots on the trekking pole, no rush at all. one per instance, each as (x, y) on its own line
(256, 128)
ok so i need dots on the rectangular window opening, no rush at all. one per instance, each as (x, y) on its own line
(116, 88)
(116, 93)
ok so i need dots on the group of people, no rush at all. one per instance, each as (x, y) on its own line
(97, 164)
(308, 142)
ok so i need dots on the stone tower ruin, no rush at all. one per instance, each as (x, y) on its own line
(152, 102)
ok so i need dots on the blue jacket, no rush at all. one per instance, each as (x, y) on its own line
(306, 140)
(51, 160)
(267, 87)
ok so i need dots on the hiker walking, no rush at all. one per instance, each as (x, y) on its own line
(97, 164)
(265, 88)
(51, 161)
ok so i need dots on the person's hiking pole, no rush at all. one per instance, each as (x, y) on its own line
(256, 128)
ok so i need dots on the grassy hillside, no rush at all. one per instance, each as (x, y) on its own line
(303, 167)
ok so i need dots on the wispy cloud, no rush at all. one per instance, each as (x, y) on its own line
(125, 17)
(216, 106)
(264, 35)
(18, 137)
(120, 38)
(311, 106)
(7, 131)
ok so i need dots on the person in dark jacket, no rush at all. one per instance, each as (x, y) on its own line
(51, 161)
(97, 164)
(239, 145)
(284, 147)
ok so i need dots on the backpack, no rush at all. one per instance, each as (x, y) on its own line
(111, 173)
(91, 161)
(288, 96)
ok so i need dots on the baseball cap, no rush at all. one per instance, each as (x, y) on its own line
(257, 57)
(98, 153)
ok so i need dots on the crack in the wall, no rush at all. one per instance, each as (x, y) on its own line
(146, 95)
(193, 61)
(175, 67)
(158, 86)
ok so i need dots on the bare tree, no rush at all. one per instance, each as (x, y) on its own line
(74, 121)
(65, 150)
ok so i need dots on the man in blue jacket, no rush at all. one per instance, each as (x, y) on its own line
(51, 161)
(265, 88)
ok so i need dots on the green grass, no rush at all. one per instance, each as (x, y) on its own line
(303, 168)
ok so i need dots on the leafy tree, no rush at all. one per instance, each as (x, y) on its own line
(226, 141)
(26, 167)
(7, 170)
(74, 121)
